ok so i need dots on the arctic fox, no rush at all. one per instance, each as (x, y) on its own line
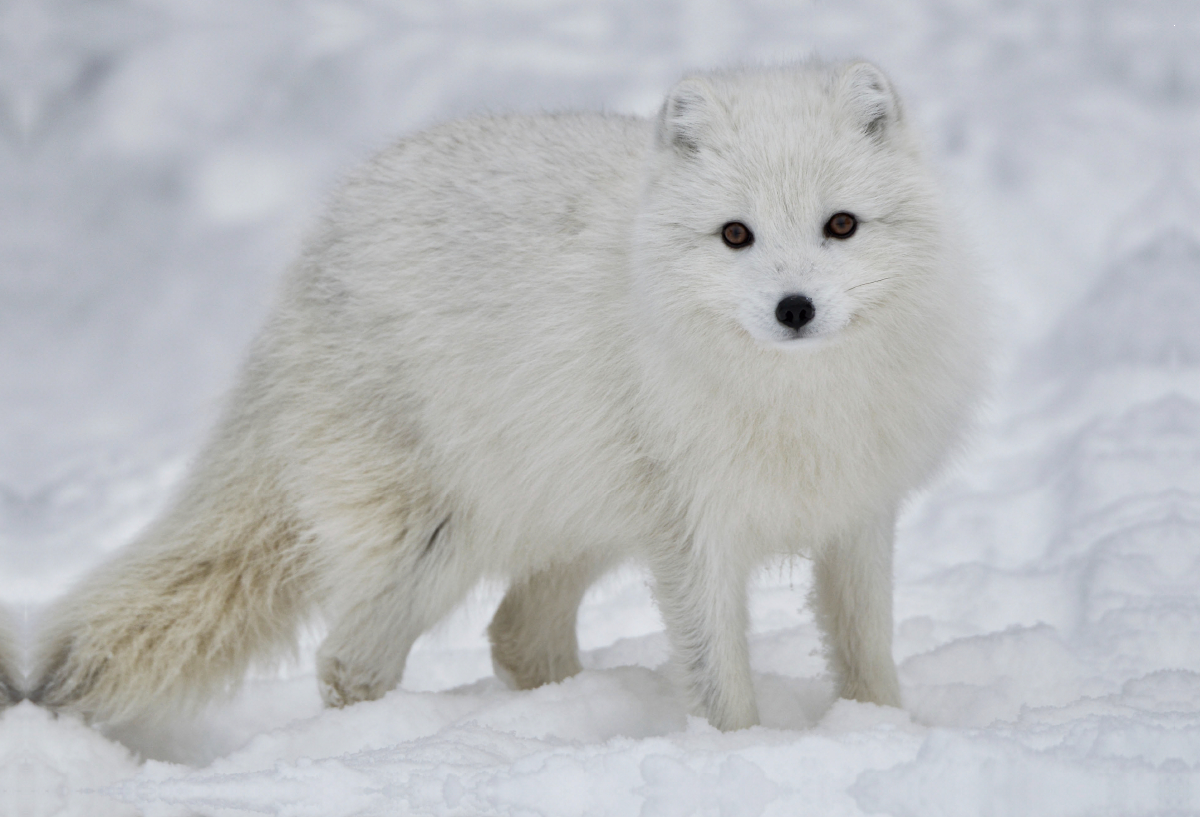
(530, 347)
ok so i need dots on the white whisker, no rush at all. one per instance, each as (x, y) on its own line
(876, 281)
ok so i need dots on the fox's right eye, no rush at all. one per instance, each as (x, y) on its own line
(737, 235)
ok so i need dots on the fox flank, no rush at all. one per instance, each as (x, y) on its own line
(532, 347)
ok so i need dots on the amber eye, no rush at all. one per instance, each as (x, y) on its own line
(737, 235)
(841, 225)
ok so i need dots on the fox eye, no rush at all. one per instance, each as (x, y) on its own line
(737, 235)
(841, 225)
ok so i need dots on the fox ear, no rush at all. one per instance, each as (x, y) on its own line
(686, 116)
(870, 97)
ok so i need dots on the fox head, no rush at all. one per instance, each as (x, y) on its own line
(782, 205)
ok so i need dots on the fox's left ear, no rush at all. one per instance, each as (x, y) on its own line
(870, 97)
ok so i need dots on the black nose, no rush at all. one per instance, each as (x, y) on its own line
(794, 311)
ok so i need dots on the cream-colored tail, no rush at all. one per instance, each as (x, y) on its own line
(220, 580)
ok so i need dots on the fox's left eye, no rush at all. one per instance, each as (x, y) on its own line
(841, 225)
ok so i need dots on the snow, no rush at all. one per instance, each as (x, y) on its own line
(159, 162)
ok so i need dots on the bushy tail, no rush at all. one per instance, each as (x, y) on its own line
(221, 580)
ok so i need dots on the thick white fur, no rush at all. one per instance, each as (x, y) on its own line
(518, 347)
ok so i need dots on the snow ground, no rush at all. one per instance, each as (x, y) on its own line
(160, 160)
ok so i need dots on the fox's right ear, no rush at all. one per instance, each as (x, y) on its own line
(871, 98)
(686, 116)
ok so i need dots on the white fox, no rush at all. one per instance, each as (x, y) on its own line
(533, 346)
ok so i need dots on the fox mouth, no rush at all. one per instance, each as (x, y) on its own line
(803, 341)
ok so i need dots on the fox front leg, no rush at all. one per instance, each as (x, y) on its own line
(701, 592)
(852, 598)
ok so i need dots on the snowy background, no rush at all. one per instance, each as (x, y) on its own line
(159, 161)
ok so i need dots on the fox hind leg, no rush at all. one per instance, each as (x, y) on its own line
(384, 606)
(533, 632)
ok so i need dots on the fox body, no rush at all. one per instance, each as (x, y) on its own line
(533, 346)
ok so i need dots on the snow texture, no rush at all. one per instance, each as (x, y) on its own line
(160, 161)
